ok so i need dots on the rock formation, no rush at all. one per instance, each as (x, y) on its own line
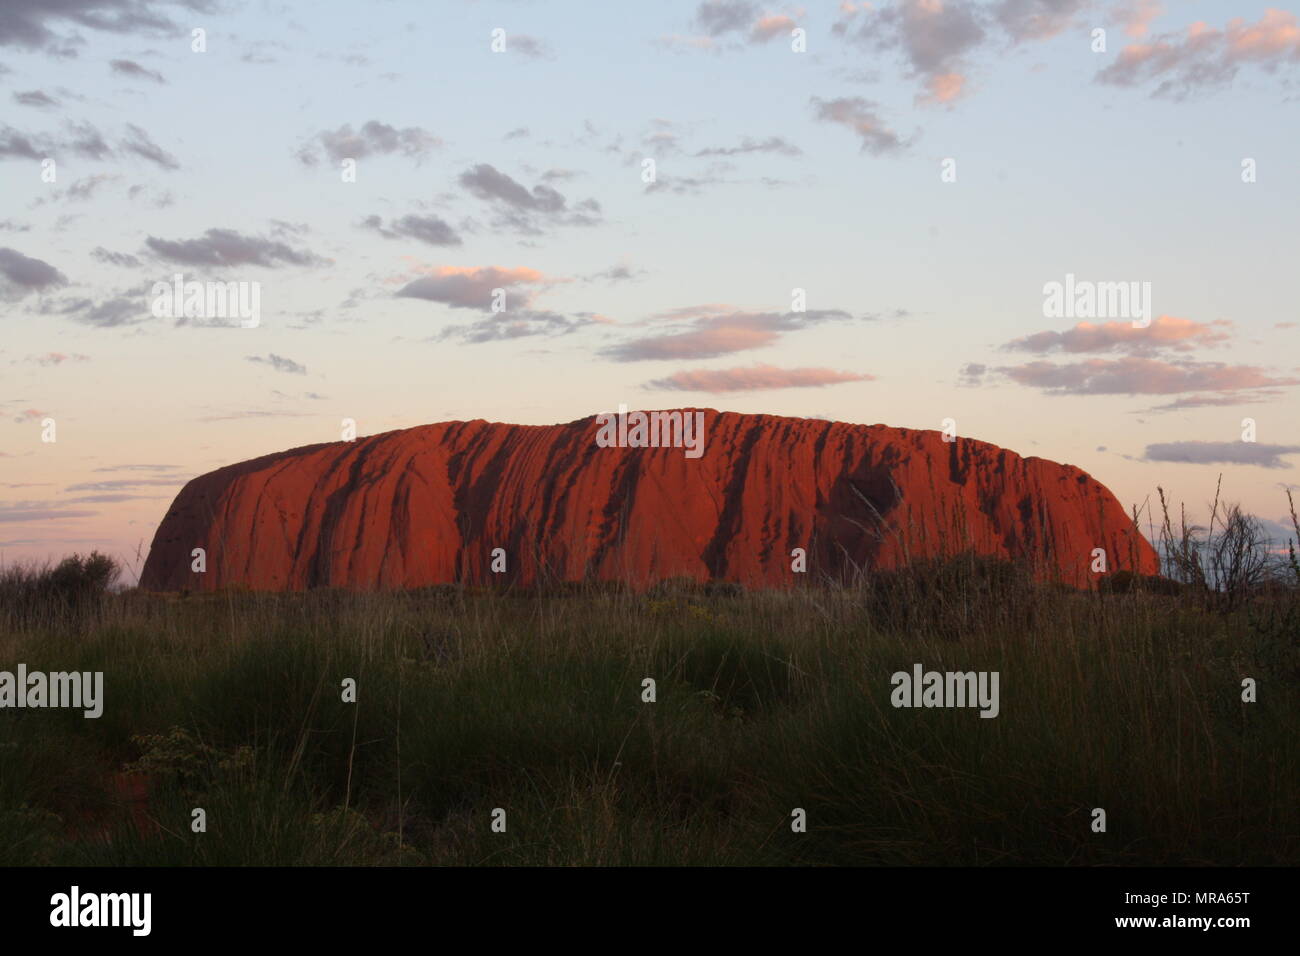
(429, 505)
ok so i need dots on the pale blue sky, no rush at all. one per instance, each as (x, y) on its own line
(1116, 165)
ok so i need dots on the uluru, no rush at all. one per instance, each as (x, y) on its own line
(482, 503)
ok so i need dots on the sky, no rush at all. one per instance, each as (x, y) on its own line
(843, 210)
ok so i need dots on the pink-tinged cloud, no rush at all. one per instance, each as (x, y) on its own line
(1141, 376)
(943, 88)
(1166, 331)
(1275, 35)
(701, 344)
(471, 287)
(1136, 15)
(768, 27)
(715, 335)
(755, 378)
(1205, 57)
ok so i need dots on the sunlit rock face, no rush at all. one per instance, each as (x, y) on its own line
(581, 502)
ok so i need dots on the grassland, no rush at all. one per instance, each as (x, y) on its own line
(766, 702)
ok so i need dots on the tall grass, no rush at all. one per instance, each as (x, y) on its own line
(531, 702)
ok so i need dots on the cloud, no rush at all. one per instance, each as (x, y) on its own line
(523, 323)
(1165, 331)
(20, 274)
(124, 259)
(766, 28)
(523, 209)
(1134, 375)
(934, 37)
(1203, 58)
(718, 17)
(84, 189)
(139, 143)
(18, 512)
(430, 229)
(1222, 452)
(529, 46)
(31, 24)
(36, 98)
(115, 311)
(19, 145)
(860, 116)
(87, 141)
(715, 335)
(280, 364)
(1136, 15)
(373, 139)
(773, 144)
(1036, 19)
(468, 287)
(135, 71)
(754, 378)
(1219, 401)
(57, 358)
(226, 247)
(127, 484)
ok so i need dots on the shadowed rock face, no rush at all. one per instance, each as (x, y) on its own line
(428, 505)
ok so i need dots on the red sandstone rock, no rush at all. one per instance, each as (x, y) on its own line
(428, 505)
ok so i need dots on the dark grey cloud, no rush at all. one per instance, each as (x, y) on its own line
(718, 17)
(51, 25)
(280, 363)
(19, 145)
(1222, 453)
(430, 229)
(135, 71)
(372, 139)
(113, 312)
(933, 37)
(36, 98)
(139, 143)
(860, 116)
(124, 259)
(226, 247)
(87, 141)
(86, 187)
(524, 210)
(20, 274)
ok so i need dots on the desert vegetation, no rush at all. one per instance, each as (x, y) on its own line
(1127, 697)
